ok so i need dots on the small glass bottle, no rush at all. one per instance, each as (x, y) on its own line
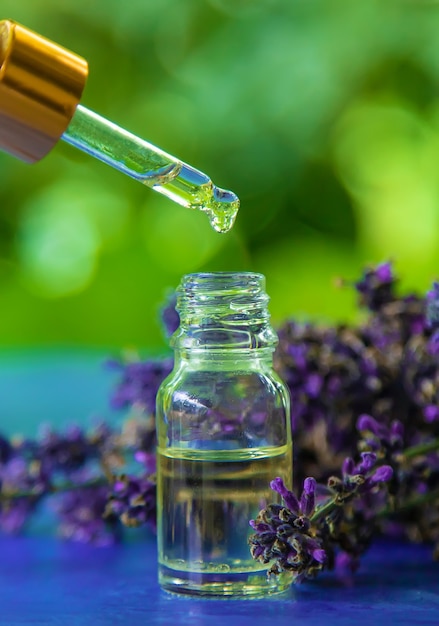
(223, 428)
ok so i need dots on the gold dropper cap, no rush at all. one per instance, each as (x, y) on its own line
(41, 84)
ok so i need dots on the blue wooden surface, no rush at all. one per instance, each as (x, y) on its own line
(44, 581)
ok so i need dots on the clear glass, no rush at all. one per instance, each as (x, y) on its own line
(223, 428)
(153, 167)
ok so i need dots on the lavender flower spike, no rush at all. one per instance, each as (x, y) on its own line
(286, 537)
(133, 501)
(376, 287)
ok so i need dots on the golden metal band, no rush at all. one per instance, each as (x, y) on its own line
(41, 84)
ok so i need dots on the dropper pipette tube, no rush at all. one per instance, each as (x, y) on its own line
(41, 85)
(151, 166)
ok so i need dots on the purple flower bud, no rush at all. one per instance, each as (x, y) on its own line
(288, 496)
(397, 429)
(319, 555)
(119, 486)
(278, 485)
(309, 486)
(147, 459)
(260, 527)
(307, 500)
(382, 474)
(431, 413)
(257, 551)
(367, 462)
(298, 354)
(434, 292)
(384, 273)
(418, 325)
(313, 385)
(348, 467)
(367, 422)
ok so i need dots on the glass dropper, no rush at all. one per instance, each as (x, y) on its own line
(41, 84)
(153, 167)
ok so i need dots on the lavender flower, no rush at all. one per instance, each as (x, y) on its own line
(133, 500)
(22, 485)
(383, 368)
(331, 374)
(376, 287)
(420, 380)
(286, 534)
(360, 477)
(81, 514)
(358, 498)
(139, 383)
(302, 537)
(63, 453)
(378, 437)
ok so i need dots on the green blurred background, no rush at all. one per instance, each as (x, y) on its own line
(322, 115)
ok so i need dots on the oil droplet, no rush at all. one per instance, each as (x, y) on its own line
(222, 209)
(194, 190)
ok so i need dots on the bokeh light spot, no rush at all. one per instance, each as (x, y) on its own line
(63, 228)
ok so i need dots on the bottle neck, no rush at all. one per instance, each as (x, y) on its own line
(213, 359)
(224, 314)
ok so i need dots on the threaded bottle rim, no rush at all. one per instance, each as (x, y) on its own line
(223, 310)
(232, 289)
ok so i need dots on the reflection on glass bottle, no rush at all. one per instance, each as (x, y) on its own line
(223, 434)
